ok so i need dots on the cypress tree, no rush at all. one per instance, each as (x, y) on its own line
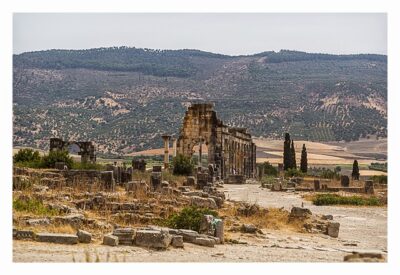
(287, 162)
(293, 154)
(303, 162)
(356, 172)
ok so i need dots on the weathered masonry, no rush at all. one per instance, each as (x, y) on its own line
(230, 150)
(87, 150)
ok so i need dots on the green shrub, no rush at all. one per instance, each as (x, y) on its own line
(332, 199)
(268, 169)
(381, 179)
(33, 206)
(182, 165)
(293, 172)
(189, 218)
(57, 156)
(26, 155)
(27, 158)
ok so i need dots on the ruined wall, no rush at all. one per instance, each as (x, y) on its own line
(230, 150)
(87, 150)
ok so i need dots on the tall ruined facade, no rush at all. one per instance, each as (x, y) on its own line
(230, 150)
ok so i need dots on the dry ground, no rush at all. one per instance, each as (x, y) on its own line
(361, 229)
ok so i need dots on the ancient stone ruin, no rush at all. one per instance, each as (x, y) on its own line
(87, 150)
(231, 150)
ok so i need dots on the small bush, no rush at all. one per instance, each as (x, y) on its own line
(334, 199)
(27, 158)
(182, 165)
(26, 155)
(189, 218)
(381, 179)
(33, 206)
(293, 173)
(268, 169)
(57, 156)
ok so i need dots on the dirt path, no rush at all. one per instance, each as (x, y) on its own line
(362, 229)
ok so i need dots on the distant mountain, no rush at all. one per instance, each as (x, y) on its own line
(125, 98)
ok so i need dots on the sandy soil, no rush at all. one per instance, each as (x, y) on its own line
(362, 229)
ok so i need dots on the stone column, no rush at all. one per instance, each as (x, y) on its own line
(174, 141)
(166, 150)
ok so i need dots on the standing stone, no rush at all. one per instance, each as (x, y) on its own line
(344, 181)
(107, 178)
(333, 229)
(191, 181)
(202, 178)
(219, 230)
(316, 185)
(110, 240)
(369, 187)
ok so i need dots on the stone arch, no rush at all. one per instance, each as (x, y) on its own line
(87, 150)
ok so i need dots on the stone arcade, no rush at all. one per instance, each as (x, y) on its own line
(230, 149)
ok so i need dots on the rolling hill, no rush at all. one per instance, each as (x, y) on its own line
(125, 98)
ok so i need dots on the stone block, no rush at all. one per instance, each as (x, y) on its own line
(327, 217)
(300, 213)
(317, 185)
(369, 187)
(188, 235)
(57, 238)
(344, 181)
(84, 236)
(23, 235)
(159, 239)
(203, 202)
(248, 228)
(204, 241)
(177, 241)
(75, 220)
(125, 235)
(191, 181)
(34, 222)
(110, 240)
(332, 229)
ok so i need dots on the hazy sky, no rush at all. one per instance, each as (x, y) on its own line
(232, 34)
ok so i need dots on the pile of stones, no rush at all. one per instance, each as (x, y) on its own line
(211, 233)
(323, 224)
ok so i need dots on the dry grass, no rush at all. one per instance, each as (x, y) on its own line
(271, 218)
